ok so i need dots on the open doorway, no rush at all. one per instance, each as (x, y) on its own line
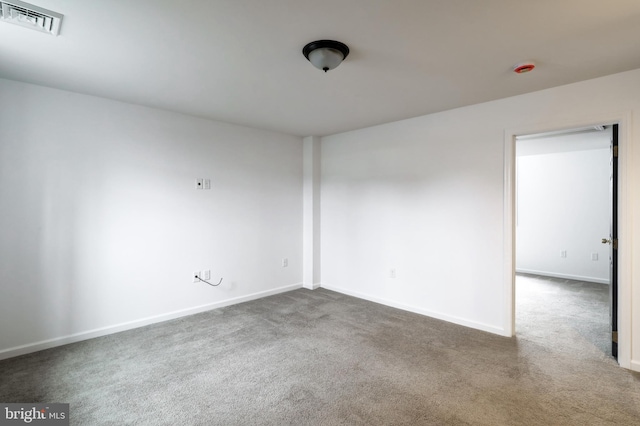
(563, 212)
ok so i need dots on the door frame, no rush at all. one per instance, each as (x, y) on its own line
(624, 204)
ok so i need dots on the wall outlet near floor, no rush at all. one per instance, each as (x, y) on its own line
(594, 256)
(563, 253)
(285, 262)
(392, 273)
(206, 275)
(196, 276)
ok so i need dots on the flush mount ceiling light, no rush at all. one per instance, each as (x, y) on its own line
(325, 54)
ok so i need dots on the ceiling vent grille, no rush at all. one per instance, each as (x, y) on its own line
(30, 16)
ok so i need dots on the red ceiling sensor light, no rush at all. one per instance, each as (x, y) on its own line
(523, 67)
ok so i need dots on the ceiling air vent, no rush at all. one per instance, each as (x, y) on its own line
(30, 16)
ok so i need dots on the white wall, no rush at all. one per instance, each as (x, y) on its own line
(563, 206)
(426, 196)
(311, 213)
(102, 226)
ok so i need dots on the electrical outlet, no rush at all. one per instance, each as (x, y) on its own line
(563, 253)
(196, 276)
(392, 273)
(206, 275)
(199, 183)
(206, 184)
(594, 256)
(285, 262)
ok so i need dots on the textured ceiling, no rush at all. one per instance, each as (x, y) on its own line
(240, 61)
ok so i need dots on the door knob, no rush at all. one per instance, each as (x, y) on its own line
(606, 241)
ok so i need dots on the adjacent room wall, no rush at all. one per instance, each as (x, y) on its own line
(102, 226)
(563, 210)
(424, 199)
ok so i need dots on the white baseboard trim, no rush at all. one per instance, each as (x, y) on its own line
(565, 276)
(425, 312)
(98, 332)
(635, 366)
(311, 286)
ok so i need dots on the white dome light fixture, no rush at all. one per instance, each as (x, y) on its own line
(325, 54)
